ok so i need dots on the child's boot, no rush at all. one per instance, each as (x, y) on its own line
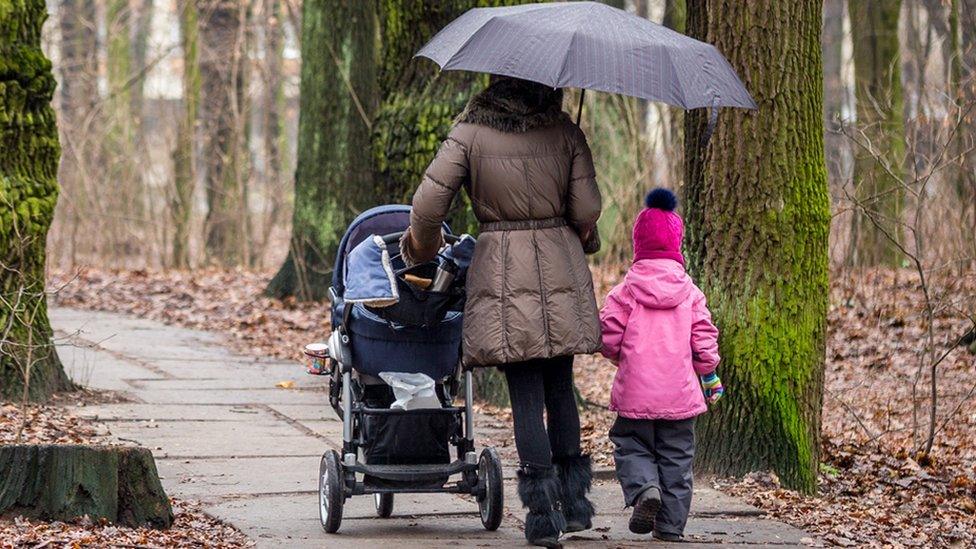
(576, 478)
(538, 488)
(645, 511)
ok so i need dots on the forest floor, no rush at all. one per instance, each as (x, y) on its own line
(53, 424)
(876, 486)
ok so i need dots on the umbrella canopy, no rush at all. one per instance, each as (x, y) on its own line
(592, 46)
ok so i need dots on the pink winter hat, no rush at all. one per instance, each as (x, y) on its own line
(658, 230)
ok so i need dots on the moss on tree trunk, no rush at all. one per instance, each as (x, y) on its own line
(880, 121)
(419, 101)
(334, 178)
(758, 215)
(28, 194)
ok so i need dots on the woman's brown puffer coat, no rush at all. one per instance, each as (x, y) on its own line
(529, 174)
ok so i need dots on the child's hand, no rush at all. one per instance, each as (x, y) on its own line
(712, 386)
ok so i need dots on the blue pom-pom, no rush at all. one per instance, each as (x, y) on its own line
(661, 199)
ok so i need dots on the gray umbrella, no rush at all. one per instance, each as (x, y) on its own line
(589, 45)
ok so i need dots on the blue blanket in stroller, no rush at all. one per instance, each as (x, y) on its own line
(370, 276)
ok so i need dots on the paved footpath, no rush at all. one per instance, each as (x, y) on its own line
(224, 434)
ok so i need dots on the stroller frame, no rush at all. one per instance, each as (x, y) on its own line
(479, 475)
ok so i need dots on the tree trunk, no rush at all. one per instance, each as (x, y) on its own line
(334, 178)
(64, 482)
(184, 159)
(962, 66)
(967, 131)
(419, 101)
(29, 365)
(834, 90)
(141, 28)
(78, 95)
(222, 55)
(675, 15)
(758, 212)
(880, 121)
(273, 96)
(120, 183)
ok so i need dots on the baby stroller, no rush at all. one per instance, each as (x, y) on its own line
(385, 450)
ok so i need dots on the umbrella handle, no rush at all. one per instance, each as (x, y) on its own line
(579, 111)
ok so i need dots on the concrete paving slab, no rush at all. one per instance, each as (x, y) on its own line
(239, 381)
(307, 412)
(243, 397)
(172, 412)
(174, 439)
(429, 520)
(241, 372)
(97, 369)
(330, 430)
(213, 478)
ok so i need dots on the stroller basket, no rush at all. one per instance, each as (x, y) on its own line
(417, 437)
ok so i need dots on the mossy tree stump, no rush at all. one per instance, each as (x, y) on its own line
(66, 481)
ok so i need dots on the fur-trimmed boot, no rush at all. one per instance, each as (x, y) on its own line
(538, 488)
(576, 477)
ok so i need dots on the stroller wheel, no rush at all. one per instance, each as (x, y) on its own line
(384, 505)
(491, 499)
(331, 496)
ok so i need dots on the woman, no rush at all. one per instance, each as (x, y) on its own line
(530, 305)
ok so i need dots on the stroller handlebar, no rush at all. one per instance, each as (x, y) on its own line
(395, 237)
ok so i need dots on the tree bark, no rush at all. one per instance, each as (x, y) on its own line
(78, 95)
(675, 15)
(880, 121)
(401, 109)
(419, 101)
(967, 131)
(119, 184)
(79, 59)
(334, 178)
(834, 90)
(273, 97)
(141, 29)
(757, 212)
(29, 365)
(222, 56)
(961, 60)
(184, 157)
(64, 482)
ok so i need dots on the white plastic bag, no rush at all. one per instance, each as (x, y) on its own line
(412, 391)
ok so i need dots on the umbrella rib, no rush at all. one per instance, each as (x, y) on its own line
(569, 49)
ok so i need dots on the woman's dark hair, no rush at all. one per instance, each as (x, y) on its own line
(540, 96)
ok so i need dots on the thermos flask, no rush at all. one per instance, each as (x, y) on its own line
(445, 274)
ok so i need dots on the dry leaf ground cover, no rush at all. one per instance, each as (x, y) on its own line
(876, 488)
(191, 528)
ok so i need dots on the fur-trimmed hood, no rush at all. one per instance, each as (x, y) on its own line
(513, 105)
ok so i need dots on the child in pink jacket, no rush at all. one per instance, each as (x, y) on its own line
(659, 333)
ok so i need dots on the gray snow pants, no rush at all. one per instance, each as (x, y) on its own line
(656, 452)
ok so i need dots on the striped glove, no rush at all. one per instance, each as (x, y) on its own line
(712, 386)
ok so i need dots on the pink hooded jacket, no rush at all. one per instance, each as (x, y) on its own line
(659, 332)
